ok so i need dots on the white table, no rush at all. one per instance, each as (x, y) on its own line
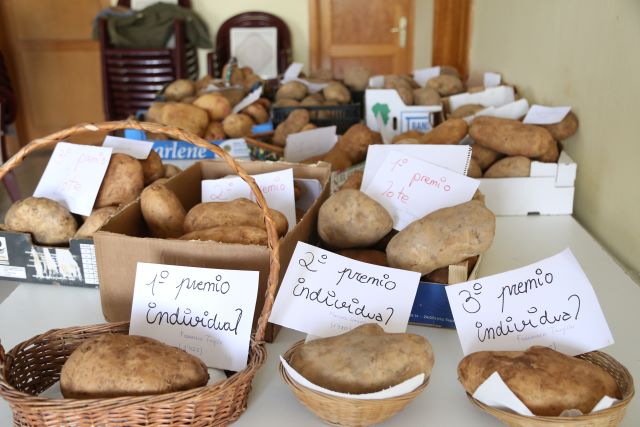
(32, 309)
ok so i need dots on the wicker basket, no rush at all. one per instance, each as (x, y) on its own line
(341, 411)
(606, 418)
(33, 366)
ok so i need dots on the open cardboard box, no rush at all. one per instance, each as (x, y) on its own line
(123, 241)
(396, 115)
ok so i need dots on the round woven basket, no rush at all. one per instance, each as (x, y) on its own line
(608, 417)
(33, 366)
(341, 411)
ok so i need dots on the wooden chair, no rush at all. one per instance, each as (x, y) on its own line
(7, 116)
(217, 59)
(132, 78)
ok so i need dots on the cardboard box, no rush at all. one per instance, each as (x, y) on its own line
(547, 191)
(431, 306)
(22, 260)
(396, 115)
(121, 243)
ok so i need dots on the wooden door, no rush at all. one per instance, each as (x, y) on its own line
(452, 34)
(377, 34)
(55, 63)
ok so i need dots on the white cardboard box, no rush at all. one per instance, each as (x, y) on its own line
(399, 117)
(547, 191)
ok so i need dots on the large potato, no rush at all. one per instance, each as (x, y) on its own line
(185, 116)
(338, 158)
(466, 110)
(291, 90)
(217, 106)
(547, 381)
(408, 137)
(354, 181)
(286, 102)
(171, 170)
(363, 360)
(48, 221)
(295, 121)
(162, 211)
(152, 167)
(237, 125)
(565, 128)
(510, 137)
(446, 84)
(242, 234)
(513, 166)
(444, 237)
(404, 89)
(484, 156)
(215, 132)
(154, 113)
(426, 96)
(257, 113)
(370, 256)
(337, 92)
(357, 78)
(448, 132)
(356, 141)
(122, 183)
(94, 221)
(351, 219)
(474, 170)
(179, 89)
(552, 155)
(233, 213)
(113, 365)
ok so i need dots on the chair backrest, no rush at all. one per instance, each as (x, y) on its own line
(253, 19)
(7, 97)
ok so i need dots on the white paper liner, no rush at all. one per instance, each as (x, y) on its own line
(397, 390)
(494, 392)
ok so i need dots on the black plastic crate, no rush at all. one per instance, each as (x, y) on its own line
(342, 116)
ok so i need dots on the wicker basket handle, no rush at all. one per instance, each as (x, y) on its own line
(179, 134)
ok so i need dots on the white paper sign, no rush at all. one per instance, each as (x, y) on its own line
(541, 115)
(132, 147)
(423, 75)
(549, 303)
(315, 142)
(73, 176)
(252, 97)
(376, 81)
(204, 311)
(452, 157)
(492, 79)
(410, 188)
(292, 71)
(277, 188)
(326, 294)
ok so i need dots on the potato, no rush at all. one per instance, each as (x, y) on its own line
(446, 84)
(356, 140)
(154, 113)
(339, 159)
(409, 79)
(266, 104)
(237, 125)
(426, 96)
(308, 126)
(158, 181)
(311, 101)
(179, 89)
(214, 132)
(354, 181)
(514, 166)
(48, 221)
(242, 234)
(162, 211)
(286, 102)
(552, 155)
(474, 170)
(363, 360)
(448, 132)
(217, 106)
(113, 365)
(351, 219)
(122, 183)
(408, 137)
(510, 137)
(233, 95)
(233, 213)
(548, 382)
(369, 256)
(484, 156)
(189, 99)
(185, 116)
(232, 74)
(337, 92)
(563, 130)
(321, 74)
(171, 170)
(257, 113)
(94, 221)
(450, 70)
(203, 83)
(357, 78)
(444, 237)
(291, 90)
(467, 110)
(250, 81)
(403, 88)
(295, 121)
(152, 167)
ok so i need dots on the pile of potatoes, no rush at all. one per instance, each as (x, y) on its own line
(446, 84)
(50, 223)
(295, 93)
(237, 221)
(356, 226)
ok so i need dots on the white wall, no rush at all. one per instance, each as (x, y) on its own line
(582, 53)
(422, 34)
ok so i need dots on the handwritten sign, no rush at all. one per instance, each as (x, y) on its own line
(135, 148)
(326, 294)
(277, 188)
(492, 79)
(303, 145)
(73, 176)
(205, 312)
(410, 188)
(452, 157)
(541, 115)
(423, 75)
(549, 303)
